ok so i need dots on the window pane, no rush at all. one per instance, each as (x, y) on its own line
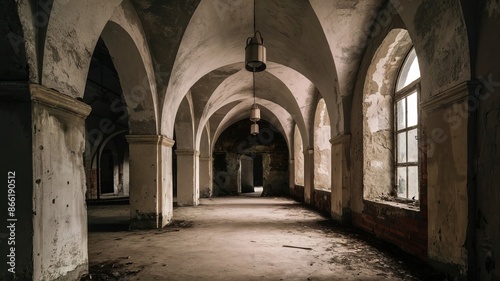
(401, 182)
(412, 104)
(413, 72)
(412, 146)
(402, 147)
(409, 72)
(401, 109)
(413, 182)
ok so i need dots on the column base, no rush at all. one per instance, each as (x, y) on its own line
(145, 221)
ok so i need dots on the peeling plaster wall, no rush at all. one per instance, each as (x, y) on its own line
(59, 211)
(378, 112)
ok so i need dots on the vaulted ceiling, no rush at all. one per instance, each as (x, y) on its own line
(313, 51)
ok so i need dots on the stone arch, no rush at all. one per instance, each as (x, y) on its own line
(322, 148)
(69, 44)
(134, 78)
(274, 117)
(379, 86)
(270, 90)
(186, 155)
(184, 125)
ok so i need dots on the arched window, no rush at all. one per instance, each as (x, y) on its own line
(391, 123)
(322, 148)
(406, 116)
(299, 157)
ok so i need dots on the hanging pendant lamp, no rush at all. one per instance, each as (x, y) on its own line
(254, 129)
(254, 112)
(255, 51)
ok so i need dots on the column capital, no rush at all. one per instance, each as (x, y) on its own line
(51, 98)
(150, 139)
(182, 152)
(340, 139)
(448, 97)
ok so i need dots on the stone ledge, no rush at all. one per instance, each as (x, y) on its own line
(393, 204)
(51, 98)
(181, 152)
(456, 94)
(341, 139)
(150, 139)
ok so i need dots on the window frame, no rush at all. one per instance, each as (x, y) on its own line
(403, 93)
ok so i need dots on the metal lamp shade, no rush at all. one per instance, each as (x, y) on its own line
(254, 113)
(255, 53)
(254, 129)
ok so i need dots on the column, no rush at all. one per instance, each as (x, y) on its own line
(309, 176)
(291, 168)
(340, 207)
(188, 192)
(446, 190)
(206, 182)
(150, 181)
(42, 157)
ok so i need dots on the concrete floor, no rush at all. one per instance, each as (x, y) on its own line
(242, 238)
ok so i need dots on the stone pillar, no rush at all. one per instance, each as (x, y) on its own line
(291, 168)
(445, 192)
(188, 191)
(167, 186)
(206, 182)
(309, 176)
(42, 156)
(150, 175)
(340, 207)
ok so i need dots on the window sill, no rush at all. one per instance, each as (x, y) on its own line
(324, 190)
(400, 205)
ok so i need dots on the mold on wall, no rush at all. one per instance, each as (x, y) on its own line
(322, 200)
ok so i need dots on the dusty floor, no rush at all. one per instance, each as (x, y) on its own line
(242, 238)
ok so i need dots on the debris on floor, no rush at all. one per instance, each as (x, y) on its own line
(110, 271)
